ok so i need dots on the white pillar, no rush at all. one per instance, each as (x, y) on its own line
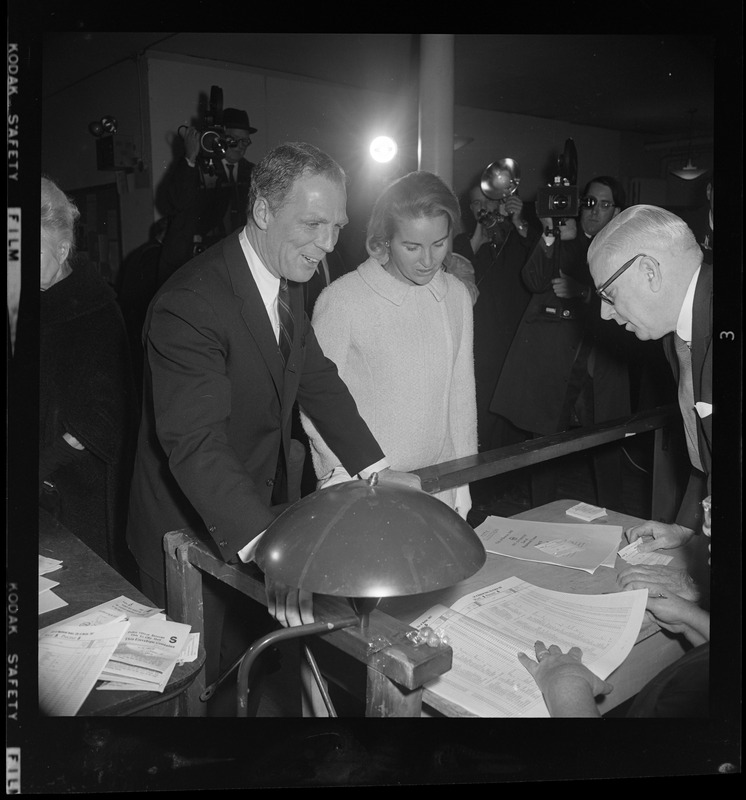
(435, 152)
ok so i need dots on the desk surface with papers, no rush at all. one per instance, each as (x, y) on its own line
(652, 651)
(84, 581)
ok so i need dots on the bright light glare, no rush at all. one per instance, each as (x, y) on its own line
(383, 149)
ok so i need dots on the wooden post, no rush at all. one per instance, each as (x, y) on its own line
(185, 604)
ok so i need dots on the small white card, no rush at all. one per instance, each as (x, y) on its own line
(632, 555)
(586, 511)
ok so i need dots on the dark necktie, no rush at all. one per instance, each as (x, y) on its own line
(686, 399)
(286, 320)
(231, 179)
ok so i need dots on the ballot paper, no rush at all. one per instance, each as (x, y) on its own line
(586, 512)
(48, 600)
(575, 545)
(119, 608)
(147, 654)
(47, 564)
(488, 628)
(632, 555)
(71, 658)
(121, 638)
(191, 649)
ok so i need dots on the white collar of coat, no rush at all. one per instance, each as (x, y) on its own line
(374, 274)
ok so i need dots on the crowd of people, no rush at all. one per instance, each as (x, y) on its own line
(443, 343)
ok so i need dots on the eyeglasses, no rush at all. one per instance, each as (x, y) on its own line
(601, 291)
(588, 201)
(239, 142)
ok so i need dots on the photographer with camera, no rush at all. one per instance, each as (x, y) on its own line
(497, 248)
(206, 191)
(563, 370)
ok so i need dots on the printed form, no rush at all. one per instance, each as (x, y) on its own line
(71, 658)
(576, 545)
(488, 628)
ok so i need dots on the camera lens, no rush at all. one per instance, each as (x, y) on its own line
(559, 202)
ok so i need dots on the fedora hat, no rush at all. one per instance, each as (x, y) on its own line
(235, 118)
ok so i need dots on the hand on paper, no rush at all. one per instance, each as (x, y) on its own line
(659, 535)
(288, 605)
(678, 615)
(568, 686)
(659, 578)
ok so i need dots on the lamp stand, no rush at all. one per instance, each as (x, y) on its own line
(275, 637)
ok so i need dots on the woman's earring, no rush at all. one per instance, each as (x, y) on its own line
(386, 243)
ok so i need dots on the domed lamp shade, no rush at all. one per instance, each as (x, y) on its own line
(362, 540)
(366, 539)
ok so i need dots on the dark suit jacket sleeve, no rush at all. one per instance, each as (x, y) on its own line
(182, 186)
(325, 398)
(541, 267)
(192, 403)
(698, 487)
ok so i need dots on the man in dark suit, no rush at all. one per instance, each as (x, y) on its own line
(204, 195)
(214, 443)
(649, 271)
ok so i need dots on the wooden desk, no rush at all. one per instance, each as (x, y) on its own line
(397, 671)
(86, 580)
(654, 649)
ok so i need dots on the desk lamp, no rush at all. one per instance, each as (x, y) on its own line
(362, 540)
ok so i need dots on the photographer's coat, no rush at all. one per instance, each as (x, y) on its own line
(552, 354)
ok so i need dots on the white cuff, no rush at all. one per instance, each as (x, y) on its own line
(379, 466)
(246, 553)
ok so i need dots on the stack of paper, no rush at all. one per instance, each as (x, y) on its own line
(574, 545)
(129, 645)
(146, 655)
(48, 600)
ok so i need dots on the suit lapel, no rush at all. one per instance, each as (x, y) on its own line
(253, 311)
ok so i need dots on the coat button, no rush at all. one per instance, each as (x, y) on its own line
(270, 482)
(211, 528)
(223, 543)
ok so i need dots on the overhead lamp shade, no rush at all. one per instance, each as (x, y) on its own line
(366, 539)
(689, 172)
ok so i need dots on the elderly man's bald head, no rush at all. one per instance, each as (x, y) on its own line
(659, 254)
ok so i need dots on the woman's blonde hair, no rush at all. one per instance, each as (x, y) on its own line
(418, 194)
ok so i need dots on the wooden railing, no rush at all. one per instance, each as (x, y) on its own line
(664, 420)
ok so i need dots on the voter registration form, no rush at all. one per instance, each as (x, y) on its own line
(488, 628)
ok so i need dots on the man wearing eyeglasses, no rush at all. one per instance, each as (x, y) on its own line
(649, 272)
(206, 200)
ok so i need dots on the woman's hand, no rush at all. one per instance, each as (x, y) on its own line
(568, 686)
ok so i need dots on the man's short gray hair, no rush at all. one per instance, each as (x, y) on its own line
(640, 227)
(273, 177)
